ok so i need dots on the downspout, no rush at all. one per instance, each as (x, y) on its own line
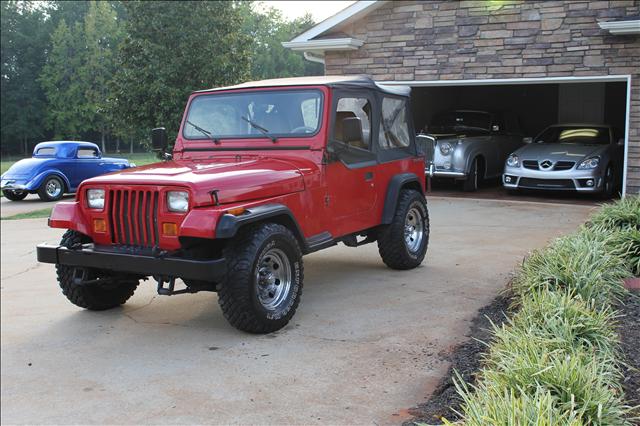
(313, 58)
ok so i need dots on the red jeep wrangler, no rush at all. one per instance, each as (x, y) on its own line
(261, 174)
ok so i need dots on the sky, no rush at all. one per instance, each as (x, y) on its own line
(320, 10)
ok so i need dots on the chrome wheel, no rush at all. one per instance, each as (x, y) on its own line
(274, 279)
(413, 230)
(53, 188)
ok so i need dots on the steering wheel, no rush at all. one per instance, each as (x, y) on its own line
(303, 129)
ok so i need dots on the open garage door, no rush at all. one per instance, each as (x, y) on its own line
(526, 107)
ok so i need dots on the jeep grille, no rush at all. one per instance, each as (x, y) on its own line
(133, 217)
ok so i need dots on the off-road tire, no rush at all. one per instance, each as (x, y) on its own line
(238, 294)
(92, 297)
(391, 239)
(14, 195)
(472, 182)
(42, 191)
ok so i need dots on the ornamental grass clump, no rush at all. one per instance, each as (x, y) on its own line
(622, 214)
(582, 263)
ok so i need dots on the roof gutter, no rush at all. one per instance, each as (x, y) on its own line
(311, 57)
(621, 27)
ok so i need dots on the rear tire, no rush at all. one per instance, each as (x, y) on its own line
(608, 184)
(470, 184)
(91, 296)
(263, 285)
(14, 195)
(403, 243)
(52, 189)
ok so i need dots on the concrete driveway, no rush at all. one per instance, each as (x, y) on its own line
(29, 204)
(366, 343)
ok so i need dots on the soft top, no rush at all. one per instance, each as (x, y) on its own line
(337, 81)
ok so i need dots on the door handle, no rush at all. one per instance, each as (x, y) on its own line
(368, 176)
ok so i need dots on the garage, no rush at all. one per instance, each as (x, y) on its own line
(544, 62)
(533, 105)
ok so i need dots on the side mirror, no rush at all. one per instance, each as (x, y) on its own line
(621, 142)
(352, 130)
(159, 139)
(527, 140)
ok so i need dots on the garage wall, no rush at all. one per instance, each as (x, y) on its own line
(483, 40)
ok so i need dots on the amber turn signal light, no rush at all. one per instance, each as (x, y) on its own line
(237, 211)
(99, 225)
(169, 229)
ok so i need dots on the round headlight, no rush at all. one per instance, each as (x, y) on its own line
(513, 160)
(446, 148)
(178, 201)
(589, 163)
(95, 198)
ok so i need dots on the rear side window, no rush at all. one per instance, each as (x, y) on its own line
(87, 153)
(46, 152)
(394, 127)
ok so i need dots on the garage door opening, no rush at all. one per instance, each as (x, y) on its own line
(537, 104)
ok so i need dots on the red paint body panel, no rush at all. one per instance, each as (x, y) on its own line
(322, 196)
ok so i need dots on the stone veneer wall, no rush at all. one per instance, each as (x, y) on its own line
(448, 40)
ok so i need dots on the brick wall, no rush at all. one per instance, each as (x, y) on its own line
(450, 40)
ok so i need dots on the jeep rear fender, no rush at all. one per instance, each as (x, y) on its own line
(229, 225)
(396, 184)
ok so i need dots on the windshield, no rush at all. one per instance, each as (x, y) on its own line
(279, 113)
(457, 121)
(575, 135)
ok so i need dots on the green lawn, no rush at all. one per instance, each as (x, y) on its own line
(30, 215)
(140, 159)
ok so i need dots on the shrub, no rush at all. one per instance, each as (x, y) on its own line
(582, 263)
(624, 213)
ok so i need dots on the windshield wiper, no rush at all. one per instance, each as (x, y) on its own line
(260, 128)
(204, 132)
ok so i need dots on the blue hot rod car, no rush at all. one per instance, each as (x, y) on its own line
(57, 168)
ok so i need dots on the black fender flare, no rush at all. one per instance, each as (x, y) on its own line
(393, 192)
(229, 224)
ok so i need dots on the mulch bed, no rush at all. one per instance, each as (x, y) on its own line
(629, 330)
(465, 359)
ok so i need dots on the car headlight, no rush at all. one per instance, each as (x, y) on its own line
(446, 148)
(95, 198)
(589, 163)
(178, 201)
(513, 161)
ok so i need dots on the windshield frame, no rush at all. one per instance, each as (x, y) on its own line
(439, 116)
(278, 136)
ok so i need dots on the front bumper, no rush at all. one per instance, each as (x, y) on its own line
(132, 262)
(588, 181)
(449, 173)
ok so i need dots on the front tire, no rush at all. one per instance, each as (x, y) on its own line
(263, 285)
(608, 184)
(403, 243)
(52, 189)
(471, 182)
(95, 297)
(14, 195)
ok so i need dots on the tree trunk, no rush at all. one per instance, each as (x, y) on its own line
(131, 146)
(118, 145)
(104, 147)
(25, 146)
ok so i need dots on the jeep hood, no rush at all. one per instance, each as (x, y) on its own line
(232, 180)
(559, 151)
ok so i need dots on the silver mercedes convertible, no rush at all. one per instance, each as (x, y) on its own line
(570, 157)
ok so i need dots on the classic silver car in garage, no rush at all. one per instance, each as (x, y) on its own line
(574, 157)
(472, 145)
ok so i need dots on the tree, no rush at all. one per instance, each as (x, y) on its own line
(102, 35)
(67, 113)
(268, 29)
(170, 50)
(24, 42)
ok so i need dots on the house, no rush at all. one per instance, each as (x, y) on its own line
(549, 61)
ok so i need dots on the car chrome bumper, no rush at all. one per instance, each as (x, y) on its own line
(569, 180)
(449, 173)
(132, 262)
